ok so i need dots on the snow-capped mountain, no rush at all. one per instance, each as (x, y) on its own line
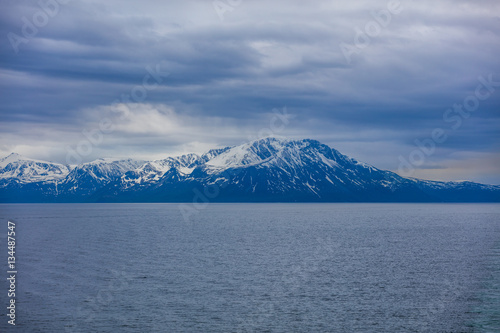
(89, 177)
(152, 172)
(26, 170)
(274, 170)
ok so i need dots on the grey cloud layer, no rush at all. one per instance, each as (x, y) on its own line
(262, 56)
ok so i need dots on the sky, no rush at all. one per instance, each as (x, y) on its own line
(407, 86)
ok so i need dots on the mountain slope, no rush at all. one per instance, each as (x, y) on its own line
(27, 170)
(266, 170)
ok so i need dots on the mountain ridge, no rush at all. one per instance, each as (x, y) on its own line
(264, 170)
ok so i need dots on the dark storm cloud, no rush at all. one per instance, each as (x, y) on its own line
(232, 73)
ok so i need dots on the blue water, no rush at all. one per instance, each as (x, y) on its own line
(255, 268)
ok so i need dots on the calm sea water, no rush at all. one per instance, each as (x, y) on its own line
(254, 268)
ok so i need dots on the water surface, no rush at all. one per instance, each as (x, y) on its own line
(255, 268)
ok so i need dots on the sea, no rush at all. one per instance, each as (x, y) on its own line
(291, 267)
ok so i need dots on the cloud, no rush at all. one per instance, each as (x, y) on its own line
(137, 130)
(464, 166)
(227, 76)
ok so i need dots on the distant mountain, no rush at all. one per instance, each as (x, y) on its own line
(26, 170)
(87, 178)
(266, 170)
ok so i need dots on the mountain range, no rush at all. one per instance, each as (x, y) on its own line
(265, 170)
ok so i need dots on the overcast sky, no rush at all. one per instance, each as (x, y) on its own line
(365, 77)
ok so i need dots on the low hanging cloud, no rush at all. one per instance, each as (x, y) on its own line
(137, 130)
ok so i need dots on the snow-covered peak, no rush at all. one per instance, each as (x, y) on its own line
(266, 151)
(212, 153)
(187, 161)
(107, 163)
(15, 157)
(161, 166)
(23, 169)
(251, 153)
(104, 169)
